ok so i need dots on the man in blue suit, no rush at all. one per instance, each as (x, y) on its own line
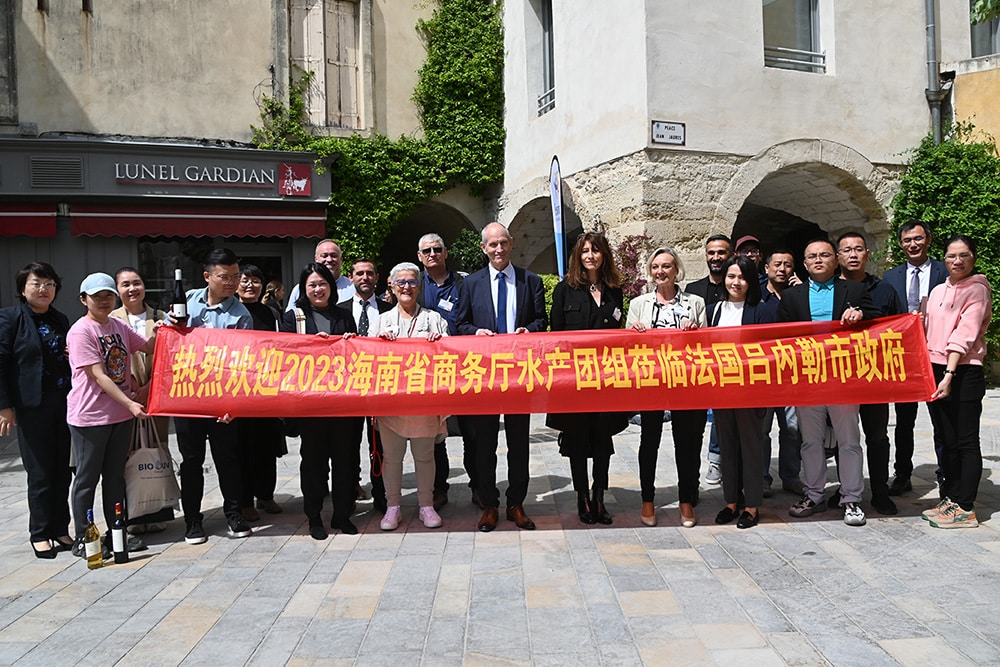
(913, 281)
(501, 299)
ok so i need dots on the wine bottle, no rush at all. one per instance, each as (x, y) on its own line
(118, 543)
(178, 300)
(92, 543)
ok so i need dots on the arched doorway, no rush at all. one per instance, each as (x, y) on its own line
(429, 217)
(531, 228)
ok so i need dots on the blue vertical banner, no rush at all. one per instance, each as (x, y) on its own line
(555, 194)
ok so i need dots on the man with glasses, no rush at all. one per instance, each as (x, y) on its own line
(853, 252)
(365, 307)
(327, 253)
(440, 291)
(913, 281)
(501, 299)
(826, 298)
(214, 307)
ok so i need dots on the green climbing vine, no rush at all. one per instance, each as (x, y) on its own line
(377, 181)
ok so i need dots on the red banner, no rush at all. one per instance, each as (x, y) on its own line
(211, 372)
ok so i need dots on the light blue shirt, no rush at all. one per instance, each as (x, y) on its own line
(508, 276)
(821, 300)
(230, 314)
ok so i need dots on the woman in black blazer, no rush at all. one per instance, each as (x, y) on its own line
(741, 430)
(326, 441)
(589, 298)
(34, 382)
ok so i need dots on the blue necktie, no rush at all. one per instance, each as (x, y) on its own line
(501, 304)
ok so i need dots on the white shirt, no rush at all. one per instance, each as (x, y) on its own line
(373, 315)
(138, 322)
(925, 277)
(508, 274)
(730, 313)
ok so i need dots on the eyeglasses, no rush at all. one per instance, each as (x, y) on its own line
(964, 256)
(749, 252)
(436, 250)
(227, 279)
(819, 255)
(410, 282)
(35, 285)
(856, 250)
(252, 281)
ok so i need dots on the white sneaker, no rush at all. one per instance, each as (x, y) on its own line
(430, 518)
(714, 474)
(391, 519)
(854, 515)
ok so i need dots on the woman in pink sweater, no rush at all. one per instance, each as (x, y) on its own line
(958, 314)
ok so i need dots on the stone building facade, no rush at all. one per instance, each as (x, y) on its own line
(787, 119)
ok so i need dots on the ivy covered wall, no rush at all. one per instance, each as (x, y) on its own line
(377, 181)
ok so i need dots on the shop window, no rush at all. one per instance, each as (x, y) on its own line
(791, 35)
(541, 54)
(325, 40)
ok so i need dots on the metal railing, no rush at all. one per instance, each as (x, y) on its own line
(784, 58)
(547, 101)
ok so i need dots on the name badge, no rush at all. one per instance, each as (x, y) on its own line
(445, 305)
(617, 314)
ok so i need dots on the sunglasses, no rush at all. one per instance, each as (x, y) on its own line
(437, 250)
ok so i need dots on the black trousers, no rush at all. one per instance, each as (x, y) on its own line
(906, 419)
(688, 428)
(487, 429)
(327, 445)
(875, 424)
(358, 428)
(44, 441)
(742, 446)
(442, 468)
(260, 439)
(956, 420)
(225, 443)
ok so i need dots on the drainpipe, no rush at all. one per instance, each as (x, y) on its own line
(933, 93)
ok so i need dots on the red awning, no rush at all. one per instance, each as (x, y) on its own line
(38, 220)
(164, 220)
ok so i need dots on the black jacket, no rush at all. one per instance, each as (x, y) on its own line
(22, 363)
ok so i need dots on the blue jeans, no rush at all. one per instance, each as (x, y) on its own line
(789, 445)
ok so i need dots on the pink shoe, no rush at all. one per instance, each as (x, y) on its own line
(430, 518)
(391, 519)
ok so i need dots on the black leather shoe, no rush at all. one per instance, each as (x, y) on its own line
(834, 501)
(345, 526)
(726, 515)
(44, 553)
(440, 499)
(748, 520)
(899, 486)
(316, 529)
(59, 545)
(884, 505)
(598, 511)
(583, 508)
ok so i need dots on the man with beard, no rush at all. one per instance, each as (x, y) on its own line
(711, 288)
(365, 307)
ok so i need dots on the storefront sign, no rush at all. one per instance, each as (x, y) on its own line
(211, 372)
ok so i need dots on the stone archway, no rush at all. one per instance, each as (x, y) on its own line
(792, 191)
(531, 229)
(428, 217)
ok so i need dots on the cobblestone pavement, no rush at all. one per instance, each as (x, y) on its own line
(802, 592)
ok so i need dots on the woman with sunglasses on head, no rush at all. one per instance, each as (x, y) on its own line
(262, 437)
(409, 320)
(34, 382)
(326, 441)
(141, 318)
(741, 431)
(589, 298)
(957, 317)
(669, 307)
(274, 298)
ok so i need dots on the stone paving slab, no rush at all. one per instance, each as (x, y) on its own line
(788, 592)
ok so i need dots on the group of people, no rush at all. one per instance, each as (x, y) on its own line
(73, 392)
